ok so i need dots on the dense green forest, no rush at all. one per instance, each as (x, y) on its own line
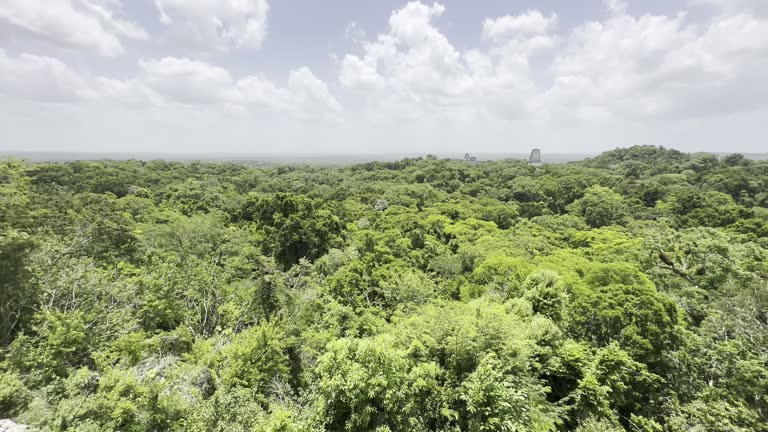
(628, 292)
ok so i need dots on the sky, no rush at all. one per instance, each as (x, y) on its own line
(351, 76)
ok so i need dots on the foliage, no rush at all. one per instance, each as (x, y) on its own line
(628, 292)
(600, 206)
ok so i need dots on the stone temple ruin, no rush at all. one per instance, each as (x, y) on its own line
(535, 158)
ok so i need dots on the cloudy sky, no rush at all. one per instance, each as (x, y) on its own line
(338, 76)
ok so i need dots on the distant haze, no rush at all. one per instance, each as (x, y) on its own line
(287, 158)
(297, 158)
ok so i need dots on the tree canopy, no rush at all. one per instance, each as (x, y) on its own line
(628, 292)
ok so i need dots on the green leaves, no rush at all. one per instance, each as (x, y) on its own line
(17, 297)
(618, 303)
(58, 343)
(14, 396)
(706, 208)
(369, 384)
(294, 227)
(14, 189)
(503, 274)
(254, 358)
(600, 206)
(419, 295)
(499, 402)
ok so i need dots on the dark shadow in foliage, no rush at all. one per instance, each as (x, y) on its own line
(294, 226)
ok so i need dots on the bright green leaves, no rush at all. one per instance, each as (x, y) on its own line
(600, 206)
(203, 236)
(615, 382)
(547, 294)
(194, 196)
(14, 189)
(57, 343)
(102, 230)
(123, 400)
(14, 396)
(173, 292)
(419, 295)
(459, 334)
(618, 303)
(496, 401)
(242, 410)
(503, 274)
(371, 383)
(608, 244)
(447, 366)
(254, 358)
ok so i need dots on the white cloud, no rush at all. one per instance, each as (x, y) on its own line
(353, 32)
(131, 93)
(311, 92)
(411, 69)
(306, 96)
(414, 71)
(43, 79)
(530, 23)
(216, 24)
(189, 82)
(620, 68)
(260, 91)
(80, 24)
(617, 7)
(167, 82)
(661, 67)
(731, 7)
(663, 79)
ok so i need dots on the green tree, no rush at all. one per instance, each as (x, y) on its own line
(17, 297)
(293, 226)
(600, 206)
(616, 302)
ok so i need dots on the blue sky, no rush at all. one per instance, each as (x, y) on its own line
(383, 76)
